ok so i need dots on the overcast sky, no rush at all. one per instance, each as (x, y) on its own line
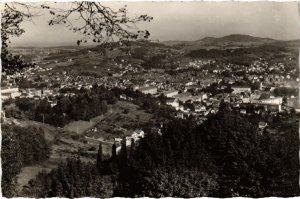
(188, 21)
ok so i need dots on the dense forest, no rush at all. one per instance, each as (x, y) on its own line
(20, 147)
(83, 105)
(223, 157)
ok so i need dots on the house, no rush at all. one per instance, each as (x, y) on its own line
(270, 107)
(9, 92)
(245, 98)
(173, 102)
(123, 96)
(203, 96)
(243, 111)
(137, 134)
(149, 90)
(240, 89)
(183, 97)
(170, 93)
(200, 109)
(292, 102)
(189, 83)
(196, 98)
(262, 125)
(272, 100)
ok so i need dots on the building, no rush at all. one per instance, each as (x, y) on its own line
(240, 89)
(135, 136)
(173, 102)
(262, 125)
(138, 134)
(9, 93)
(123, 96)
(148, 90)
(245, 98)
(32, 92)
(274, 108)
(199, 109)
(183, 97)
(170, 93)
(272, 100)
(293, 102)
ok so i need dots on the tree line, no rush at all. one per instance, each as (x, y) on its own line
(20, 147)
(223, 157)
(83, 105)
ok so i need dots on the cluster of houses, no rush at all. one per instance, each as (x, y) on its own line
(9, 92)
(198, 63)
(201, 103)
(12, 92)
(135, 137)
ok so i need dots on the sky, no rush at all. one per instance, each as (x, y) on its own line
(186, 21)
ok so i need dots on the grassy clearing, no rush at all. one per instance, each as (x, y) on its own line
(121, 120)
(78, 126)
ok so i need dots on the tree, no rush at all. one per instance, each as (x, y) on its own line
(132, 147)
(11, 19)
(123, 154)
(20, 147)
(99, 158)
(114, 151)
(94, 21)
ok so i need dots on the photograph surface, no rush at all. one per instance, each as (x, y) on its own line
(150, 99)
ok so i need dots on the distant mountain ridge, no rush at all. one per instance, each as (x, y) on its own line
(242, 38)
(233, 39)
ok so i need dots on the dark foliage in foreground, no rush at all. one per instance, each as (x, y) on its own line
(20, 147)
(223, 157)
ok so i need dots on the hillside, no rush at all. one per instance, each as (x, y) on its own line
(104, 60)
(229, 41)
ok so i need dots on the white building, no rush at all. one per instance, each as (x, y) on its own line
(170, 93)
(275, 100)
(240, 89)
(148, 90)
(173, 102)
(136, 136)
(9, 93)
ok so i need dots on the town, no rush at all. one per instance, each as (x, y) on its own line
(116, 97)
(194, 87)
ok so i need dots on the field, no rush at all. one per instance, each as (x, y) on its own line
(81, 138)
(121, 120)
(78, 126)
(64, 144)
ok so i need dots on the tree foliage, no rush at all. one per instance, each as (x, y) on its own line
(72, 179)
(20, 147)
(84, 105)
(94, 21)
(223, 157)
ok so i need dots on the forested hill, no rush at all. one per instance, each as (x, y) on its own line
(223, 157)
(234, 40)
(105, 60)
